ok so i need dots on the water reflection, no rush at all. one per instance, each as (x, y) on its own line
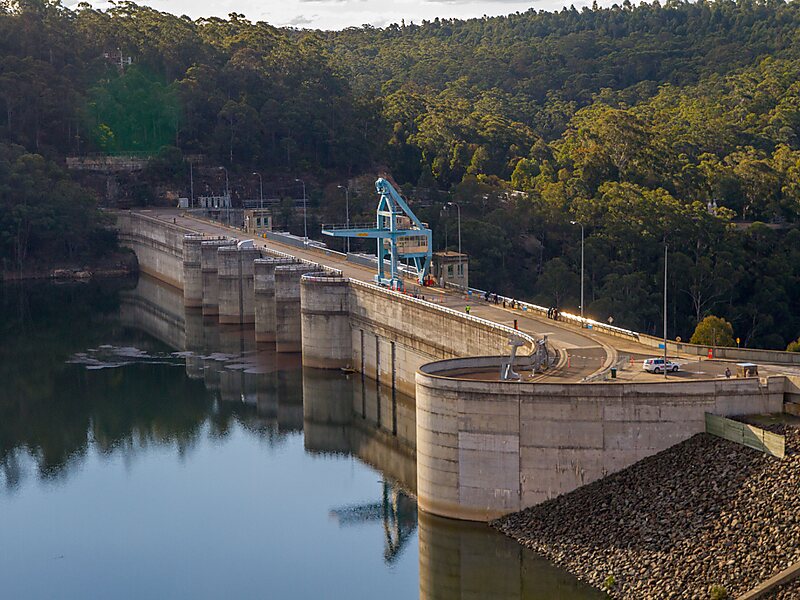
(396, 511)
(459, 560)
(122, 370)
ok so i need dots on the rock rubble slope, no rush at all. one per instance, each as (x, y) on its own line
(704, 513)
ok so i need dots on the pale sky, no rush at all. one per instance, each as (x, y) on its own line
(337, 14)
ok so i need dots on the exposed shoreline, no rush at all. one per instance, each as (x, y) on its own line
(120, 264)
(704, 513)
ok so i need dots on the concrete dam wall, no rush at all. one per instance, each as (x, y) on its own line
(158, 245)
(387, 335)
(483, 448)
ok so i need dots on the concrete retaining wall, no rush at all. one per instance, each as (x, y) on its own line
(738, 354)
(485, 449)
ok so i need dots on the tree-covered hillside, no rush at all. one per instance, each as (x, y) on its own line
(674, 124)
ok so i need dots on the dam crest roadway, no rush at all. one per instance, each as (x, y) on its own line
(484, 447)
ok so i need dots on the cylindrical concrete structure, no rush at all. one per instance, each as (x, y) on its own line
(325, 319)
(467, 446)
(235, 275)
(208, 268)
(192, 274)
(264, 295)
(288, 337)
(248, 257)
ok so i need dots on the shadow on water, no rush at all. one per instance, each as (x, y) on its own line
(121, 367)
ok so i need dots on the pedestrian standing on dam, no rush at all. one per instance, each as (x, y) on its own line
(467, 309)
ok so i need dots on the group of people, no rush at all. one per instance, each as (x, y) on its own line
(553, 313)
(495, 299)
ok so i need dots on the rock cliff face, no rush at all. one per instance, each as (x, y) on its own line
(704, 514)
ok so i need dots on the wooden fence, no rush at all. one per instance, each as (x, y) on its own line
(747, 435)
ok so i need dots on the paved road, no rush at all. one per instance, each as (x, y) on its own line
(586, 352)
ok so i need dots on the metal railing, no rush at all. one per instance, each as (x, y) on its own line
(341, 226)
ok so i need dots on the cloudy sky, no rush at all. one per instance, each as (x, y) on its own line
(337, 14)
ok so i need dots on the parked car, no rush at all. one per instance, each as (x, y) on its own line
(656, 365)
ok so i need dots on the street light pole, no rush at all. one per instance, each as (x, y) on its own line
(347, 210)
(227, 195)
(191, 185)
(666, 247)
(305, 214)
(260, 190)
(458, 211)
(582, 263)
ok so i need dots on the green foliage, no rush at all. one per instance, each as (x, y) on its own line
(43, 213)
(718, 592)
(713, 331)
(794, 346)
(653, 125)
(609, 583)
(133, 111)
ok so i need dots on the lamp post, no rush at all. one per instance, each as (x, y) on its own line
(347, 210)
(582, 263)
(460, 266)
(191, 185)
(260, 190)
(227, 195)
(305, 218)
(666, 247)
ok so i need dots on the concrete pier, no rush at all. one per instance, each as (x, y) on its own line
(209, 272)
(235, 275)
(325, 316)
(192, 274)
(288, 336)
(264, 295)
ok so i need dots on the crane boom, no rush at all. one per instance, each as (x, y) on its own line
(399, 233)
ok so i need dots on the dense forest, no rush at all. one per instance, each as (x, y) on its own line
(647, 126)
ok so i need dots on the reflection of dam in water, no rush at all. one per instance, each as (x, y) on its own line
(351, 415)
(470, 560)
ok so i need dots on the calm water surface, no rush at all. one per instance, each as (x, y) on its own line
(145, 453)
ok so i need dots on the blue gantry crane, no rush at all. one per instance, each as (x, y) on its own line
(399, 233)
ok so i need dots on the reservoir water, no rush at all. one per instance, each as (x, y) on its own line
(148, 453)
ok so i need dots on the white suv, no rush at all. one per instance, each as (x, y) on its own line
(656, 365)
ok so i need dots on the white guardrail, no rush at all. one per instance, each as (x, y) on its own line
(563, 316)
